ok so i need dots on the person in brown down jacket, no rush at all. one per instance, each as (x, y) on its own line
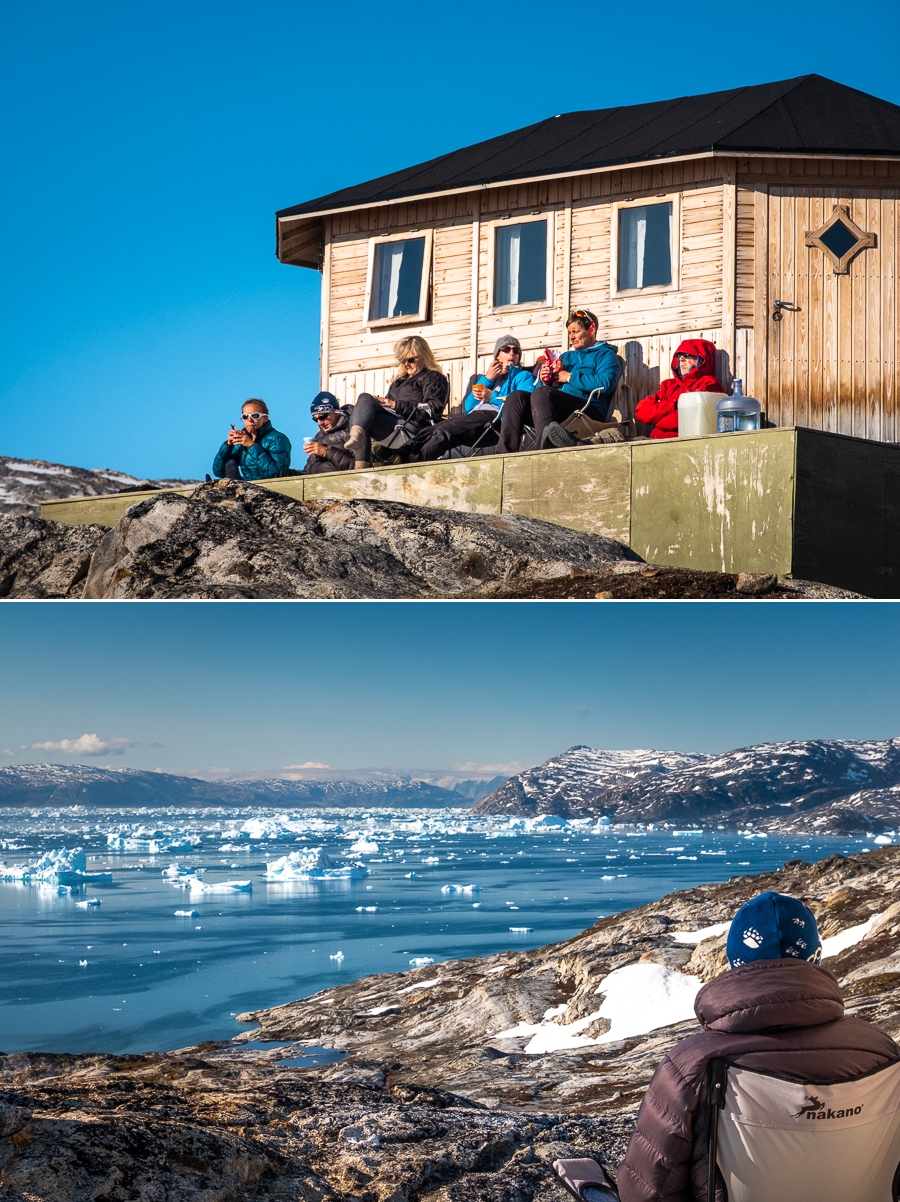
(777, 1011)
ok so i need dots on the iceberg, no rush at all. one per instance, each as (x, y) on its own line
(364, 847)
(187, 913)
(55, 868)
(312, 864)
(89, 904)
(421, 961)
(460, 889)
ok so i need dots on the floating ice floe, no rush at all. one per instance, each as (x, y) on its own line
(366, 909)
(545, 822)
(364, 847)
(61, 867)
(176, 870)
(460, 889)
(411, 876)
(421, 961)
(82, 963)
(431, 860)
(89, 903)
(187, 913)
(339, 956)
(194, 884)
(521, 930)
(639, 998)
(882, 839)
(313, 864)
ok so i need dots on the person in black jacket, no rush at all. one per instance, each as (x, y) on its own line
(420, 392)
(326, 451)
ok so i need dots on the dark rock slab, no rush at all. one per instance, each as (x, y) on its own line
(44, 559)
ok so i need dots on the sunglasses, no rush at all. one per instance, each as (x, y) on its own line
(508, 350)
(321, 416)
(415, 359)
(253, 417)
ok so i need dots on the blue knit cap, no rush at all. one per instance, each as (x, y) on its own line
(324, 402)
(773, 926)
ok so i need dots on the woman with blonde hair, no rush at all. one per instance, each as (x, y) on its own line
(418, 394)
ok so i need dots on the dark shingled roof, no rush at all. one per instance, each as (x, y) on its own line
(809, 114)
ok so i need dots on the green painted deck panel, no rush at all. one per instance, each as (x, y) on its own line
(721, 504)
(588, 488)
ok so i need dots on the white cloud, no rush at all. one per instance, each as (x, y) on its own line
(301, 767)
(88, 745)
(7, 751)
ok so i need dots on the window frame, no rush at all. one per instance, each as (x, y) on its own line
(675, 244)
(405, 319)
(521, 219)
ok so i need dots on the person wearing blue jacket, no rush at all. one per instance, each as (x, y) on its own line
(565, 385)
(258, 452)
(479, 424)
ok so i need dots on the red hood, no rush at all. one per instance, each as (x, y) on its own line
(696, 346)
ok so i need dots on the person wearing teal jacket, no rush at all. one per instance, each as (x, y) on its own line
(564, 385)
(258, 452)
(478, 426)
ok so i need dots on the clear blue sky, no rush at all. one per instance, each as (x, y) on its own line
(146, 146)
(425, 686)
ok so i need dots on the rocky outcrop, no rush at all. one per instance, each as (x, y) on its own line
(24, 483)
(431, 1105)
(236, 540)
(44, 559)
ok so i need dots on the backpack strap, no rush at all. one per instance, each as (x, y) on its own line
(716, 1080)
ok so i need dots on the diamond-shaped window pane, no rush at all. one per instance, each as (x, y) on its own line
(839, 238)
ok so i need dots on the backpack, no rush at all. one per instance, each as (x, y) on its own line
(772, 1139)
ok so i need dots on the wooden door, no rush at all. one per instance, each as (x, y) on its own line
(831, 363)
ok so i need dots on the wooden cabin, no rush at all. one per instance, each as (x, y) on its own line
(763, 218)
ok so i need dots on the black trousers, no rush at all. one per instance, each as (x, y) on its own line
(536, 409)
(460, 430)
(231, 469)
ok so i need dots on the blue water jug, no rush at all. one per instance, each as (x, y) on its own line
(737, 412)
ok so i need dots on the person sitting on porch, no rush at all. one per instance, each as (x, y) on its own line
(258, 452)
(327, 451)
(479, 424)
(694, 365)
(565, 385)
(420, 392)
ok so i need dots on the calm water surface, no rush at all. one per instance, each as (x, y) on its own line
(154, 981)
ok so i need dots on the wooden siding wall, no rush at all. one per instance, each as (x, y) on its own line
(833, 368)
(646, 328)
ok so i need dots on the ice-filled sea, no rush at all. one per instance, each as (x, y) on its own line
(131, 974)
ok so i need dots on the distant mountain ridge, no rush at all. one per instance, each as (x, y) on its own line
(24, 483)
(57, 785)
(821, 786)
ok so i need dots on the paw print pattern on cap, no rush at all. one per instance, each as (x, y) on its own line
(752, 937)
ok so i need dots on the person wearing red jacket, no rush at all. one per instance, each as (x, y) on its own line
(694, 365)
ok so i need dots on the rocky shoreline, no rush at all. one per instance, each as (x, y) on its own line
(433, 1102)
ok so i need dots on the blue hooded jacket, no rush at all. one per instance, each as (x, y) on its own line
(596, 366)
(269, 456)
(518, 379)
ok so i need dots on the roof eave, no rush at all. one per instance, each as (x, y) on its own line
(298, 219)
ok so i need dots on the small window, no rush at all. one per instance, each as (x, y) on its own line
(397, 288)
(645, 246)
(520, 263)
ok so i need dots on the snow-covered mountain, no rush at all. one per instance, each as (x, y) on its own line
(54, 785)
(564, 784)
(24, 483)
(821, 785)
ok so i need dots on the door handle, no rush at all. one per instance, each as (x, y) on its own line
(779, 305)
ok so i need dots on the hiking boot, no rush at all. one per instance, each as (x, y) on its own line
(356, 443)
(361, 463)
(556, 436)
